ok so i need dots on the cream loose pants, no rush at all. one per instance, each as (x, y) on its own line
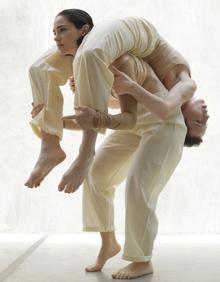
(147, 156)
(47, 74)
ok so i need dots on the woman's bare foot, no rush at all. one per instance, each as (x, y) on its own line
(107, 251)
(74, 176)
(51, 155)
(134, 270)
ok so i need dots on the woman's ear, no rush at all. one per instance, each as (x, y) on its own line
(85, 29)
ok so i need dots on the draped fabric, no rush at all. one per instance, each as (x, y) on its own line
(190, 203)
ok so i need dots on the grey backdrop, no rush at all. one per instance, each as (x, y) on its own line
(190, 202)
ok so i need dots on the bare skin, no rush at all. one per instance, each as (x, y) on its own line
(76, 173)
(51, 155)
(110, 247)
(134, 270)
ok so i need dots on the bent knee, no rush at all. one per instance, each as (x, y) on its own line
(98, 175)
(102, 177)
(89, 56)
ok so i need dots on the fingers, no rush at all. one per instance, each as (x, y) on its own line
(71, 79)
(115, 71)
(36, 109)
(70, 117)
(72, 83)
(71, 124)
(82, 108)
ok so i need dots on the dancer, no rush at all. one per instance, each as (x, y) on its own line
(99, 47)
(148, 154)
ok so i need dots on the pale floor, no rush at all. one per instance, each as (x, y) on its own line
(62, 258)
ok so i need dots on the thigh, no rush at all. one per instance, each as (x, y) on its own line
(113, 157)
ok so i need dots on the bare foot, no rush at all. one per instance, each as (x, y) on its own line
(75, 175)
(105, 253)
(134, 270)
(48, 159)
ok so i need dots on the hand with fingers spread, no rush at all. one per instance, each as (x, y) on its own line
(122, 82)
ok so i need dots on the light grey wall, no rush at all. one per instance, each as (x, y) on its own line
(191, 201)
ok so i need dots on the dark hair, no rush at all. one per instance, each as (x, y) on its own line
(192, 141)
(79, 18)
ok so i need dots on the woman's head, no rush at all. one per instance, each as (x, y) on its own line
(196, 116)
(70, 27)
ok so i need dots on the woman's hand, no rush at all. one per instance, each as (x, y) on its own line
(72, 84)
(84, 119)
(123, 84)
(36, 109)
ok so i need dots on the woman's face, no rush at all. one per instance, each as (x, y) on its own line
(66, 35)
(196, 116)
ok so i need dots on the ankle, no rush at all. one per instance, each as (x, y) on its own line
(108, 237)
(142, 262)
(109, 241)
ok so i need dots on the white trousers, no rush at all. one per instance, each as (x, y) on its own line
(147, 159)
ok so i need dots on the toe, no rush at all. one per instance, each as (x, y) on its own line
(124, 276)
(89, 268)
(62, 185)
(68, 189)
(118, 276)
(114, 275)
(30, 185)
(37, 184)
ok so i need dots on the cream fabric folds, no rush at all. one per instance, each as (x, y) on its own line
(147, 155)
(104, 44)
(46, 75)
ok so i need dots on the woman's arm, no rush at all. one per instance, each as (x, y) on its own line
(162, 108)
